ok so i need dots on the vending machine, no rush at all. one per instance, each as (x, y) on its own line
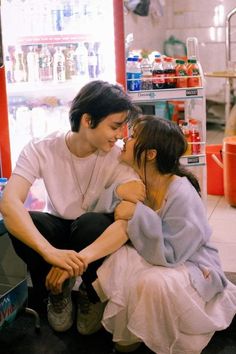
(50, 49)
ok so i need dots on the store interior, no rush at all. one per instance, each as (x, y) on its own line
(164, 28)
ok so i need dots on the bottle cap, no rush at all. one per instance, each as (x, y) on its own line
(3, 179)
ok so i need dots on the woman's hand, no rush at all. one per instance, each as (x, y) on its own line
(132, 191)
(124, 210)
(67, 260)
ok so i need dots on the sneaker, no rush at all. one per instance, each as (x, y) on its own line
(120, 348)
(60, 308)
(89, 315)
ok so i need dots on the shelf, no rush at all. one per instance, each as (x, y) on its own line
(45, 88)
(57, 39)
(167, 94)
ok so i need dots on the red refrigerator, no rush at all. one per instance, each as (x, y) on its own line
(49, 50)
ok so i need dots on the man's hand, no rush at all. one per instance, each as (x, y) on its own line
(55, 280)
(124, 210)
(132, 191)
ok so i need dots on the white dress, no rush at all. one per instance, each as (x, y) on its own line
(158, 305)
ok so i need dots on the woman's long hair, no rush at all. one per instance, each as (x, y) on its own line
(168, 140)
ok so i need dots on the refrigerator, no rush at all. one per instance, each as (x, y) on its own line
(48, 51)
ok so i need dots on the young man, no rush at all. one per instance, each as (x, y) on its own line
(82, 175)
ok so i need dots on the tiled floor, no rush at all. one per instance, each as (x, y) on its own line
(222, 216)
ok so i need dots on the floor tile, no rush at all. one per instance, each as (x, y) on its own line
(212, 201)
(222, 230)
(227, 254)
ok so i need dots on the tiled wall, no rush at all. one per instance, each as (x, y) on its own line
(204, 19)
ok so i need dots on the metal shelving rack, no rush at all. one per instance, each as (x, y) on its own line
(194, 106)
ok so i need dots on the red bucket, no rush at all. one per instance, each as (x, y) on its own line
(229, 161)
(215, 184)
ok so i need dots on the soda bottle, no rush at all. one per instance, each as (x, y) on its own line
(194, 79)
(59, 72)
(181, 73)
(146, 71)
(169, 72)
(158, 77)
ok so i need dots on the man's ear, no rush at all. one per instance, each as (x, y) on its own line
(151, 154)
(86, 120)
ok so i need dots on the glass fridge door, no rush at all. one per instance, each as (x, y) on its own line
(51, 49)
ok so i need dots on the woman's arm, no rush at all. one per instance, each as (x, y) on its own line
(108, 242)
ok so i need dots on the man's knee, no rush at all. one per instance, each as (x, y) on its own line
(88, 227)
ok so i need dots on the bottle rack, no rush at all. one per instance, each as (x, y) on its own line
(194, 103)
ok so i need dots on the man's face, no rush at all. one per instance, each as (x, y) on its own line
(105, 135)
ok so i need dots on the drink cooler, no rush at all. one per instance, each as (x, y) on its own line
(13, 287)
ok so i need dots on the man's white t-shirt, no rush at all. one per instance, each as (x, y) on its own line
(67, 178)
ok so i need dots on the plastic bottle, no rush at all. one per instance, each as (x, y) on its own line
(59, 72)
(129, 72)
(81, 58)
(32, 59)
(158, 77)
(92, 61)
(195, 136)
(146, 71)
(181, 73)
(193, 71)
(70, 63)
(185, 129)
(134, 74)
(19, 70)
(192, 48)
(9, 69)
(169, 72)
(3, 182)
(100, 61)
(45, 64)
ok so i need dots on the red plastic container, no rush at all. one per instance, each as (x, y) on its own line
(229, 162)
(215, 183)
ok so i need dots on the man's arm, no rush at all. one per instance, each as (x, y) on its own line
(19, 223)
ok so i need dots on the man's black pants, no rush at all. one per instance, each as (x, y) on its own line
(63, 234)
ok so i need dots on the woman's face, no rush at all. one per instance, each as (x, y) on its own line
(127, 153)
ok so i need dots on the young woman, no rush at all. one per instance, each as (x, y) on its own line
(166, 288)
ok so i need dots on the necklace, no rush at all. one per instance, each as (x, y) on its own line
(156, 198)
(75, 174)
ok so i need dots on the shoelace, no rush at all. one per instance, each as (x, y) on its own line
(59, 302)
(84, 302)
